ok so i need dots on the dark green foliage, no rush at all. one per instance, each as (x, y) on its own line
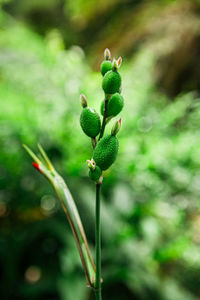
(111, 82)
(106, 151)
(90, 122)
(115, 105)
(106, 66)
(95, 174)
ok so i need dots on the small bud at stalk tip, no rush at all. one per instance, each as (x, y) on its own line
(119, 62)
(91, 164)
(83, 101)
(107, 54)
(114, 65)
(116, 127)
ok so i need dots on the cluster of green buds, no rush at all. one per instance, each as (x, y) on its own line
(105, 148)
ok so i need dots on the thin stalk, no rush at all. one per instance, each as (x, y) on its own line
(94, 142)
(98, 244)
(104, 118)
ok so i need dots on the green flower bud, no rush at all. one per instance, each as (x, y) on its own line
(115, 65)
(115, 105)
(116, 127)
(95, 174)
(90, 122)
(106, 151)
(91, 164)
(111, 82)
(106, 66)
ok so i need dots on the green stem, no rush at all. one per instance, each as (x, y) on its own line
(104, 119)
(98, 244)
(94, 142)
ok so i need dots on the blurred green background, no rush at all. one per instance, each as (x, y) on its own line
(50, 52)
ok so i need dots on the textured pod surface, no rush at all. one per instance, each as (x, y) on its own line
(115, 105)
(90, 122)
(106, 66)
(96, 174)
(106, 151)
(111, 82)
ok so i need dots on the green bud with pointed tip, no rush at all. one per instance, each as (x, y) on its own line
(115, 105)
(95, 174)
(106, 151)
(116, 127)
(83, 100)
(115, 65)
(90, 122)
(106, 66)
(111, 82)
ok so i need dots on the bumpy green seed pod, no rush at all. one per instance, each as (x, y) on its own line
(106, 66)
(106, 151)
(90, 122)
(111, 82)
(95, 174)
(115, 105)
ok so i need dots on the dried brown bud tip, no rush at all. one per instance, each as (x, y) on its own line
(83, 100)
(119, 62)
(107, 54)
